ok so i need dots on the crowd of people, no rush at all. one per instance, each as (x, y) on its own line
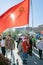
(6, 44)
(24, 45)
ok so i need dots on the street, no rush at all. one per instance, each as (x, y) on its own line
(34, 60)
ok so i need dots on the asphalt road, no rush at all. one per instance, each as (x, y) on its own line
(34, 60)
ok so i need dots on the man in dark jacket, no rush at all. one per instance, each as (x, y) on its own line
(30, 49)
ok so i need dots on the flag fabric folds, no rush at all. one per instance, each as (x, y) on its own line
(16, 16)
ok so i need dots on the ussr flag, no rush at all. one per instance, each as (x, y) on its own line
(16, 16)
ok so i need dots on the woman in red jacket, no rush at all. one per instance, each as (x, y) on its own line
(25, 46)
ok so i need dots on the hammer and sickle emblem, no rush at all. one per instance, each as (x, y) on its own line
(21, 9)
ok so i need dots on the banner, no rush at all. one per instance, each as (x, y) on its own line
(16, 16)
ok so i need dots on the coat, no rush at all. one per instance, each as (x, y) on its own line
(25, 46)
(9, 44)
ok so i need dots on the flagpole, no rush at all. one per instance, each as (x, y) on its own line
(28, 13)
(32, 14)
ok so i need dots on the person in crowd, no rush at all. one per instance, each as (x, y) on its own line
(4, 60)
(20, 47)
(10, 45)
(9, 42)
(18, 41)
(0, 42)
(25, 45)
(30, 43)
(40, 53)
(40, 50)
(34, 41)
(3, 46)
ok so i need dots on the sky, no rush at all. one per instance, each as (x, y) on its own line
(37, 10)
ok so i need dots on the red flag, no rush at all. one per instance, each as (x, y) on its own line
(16, 16)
